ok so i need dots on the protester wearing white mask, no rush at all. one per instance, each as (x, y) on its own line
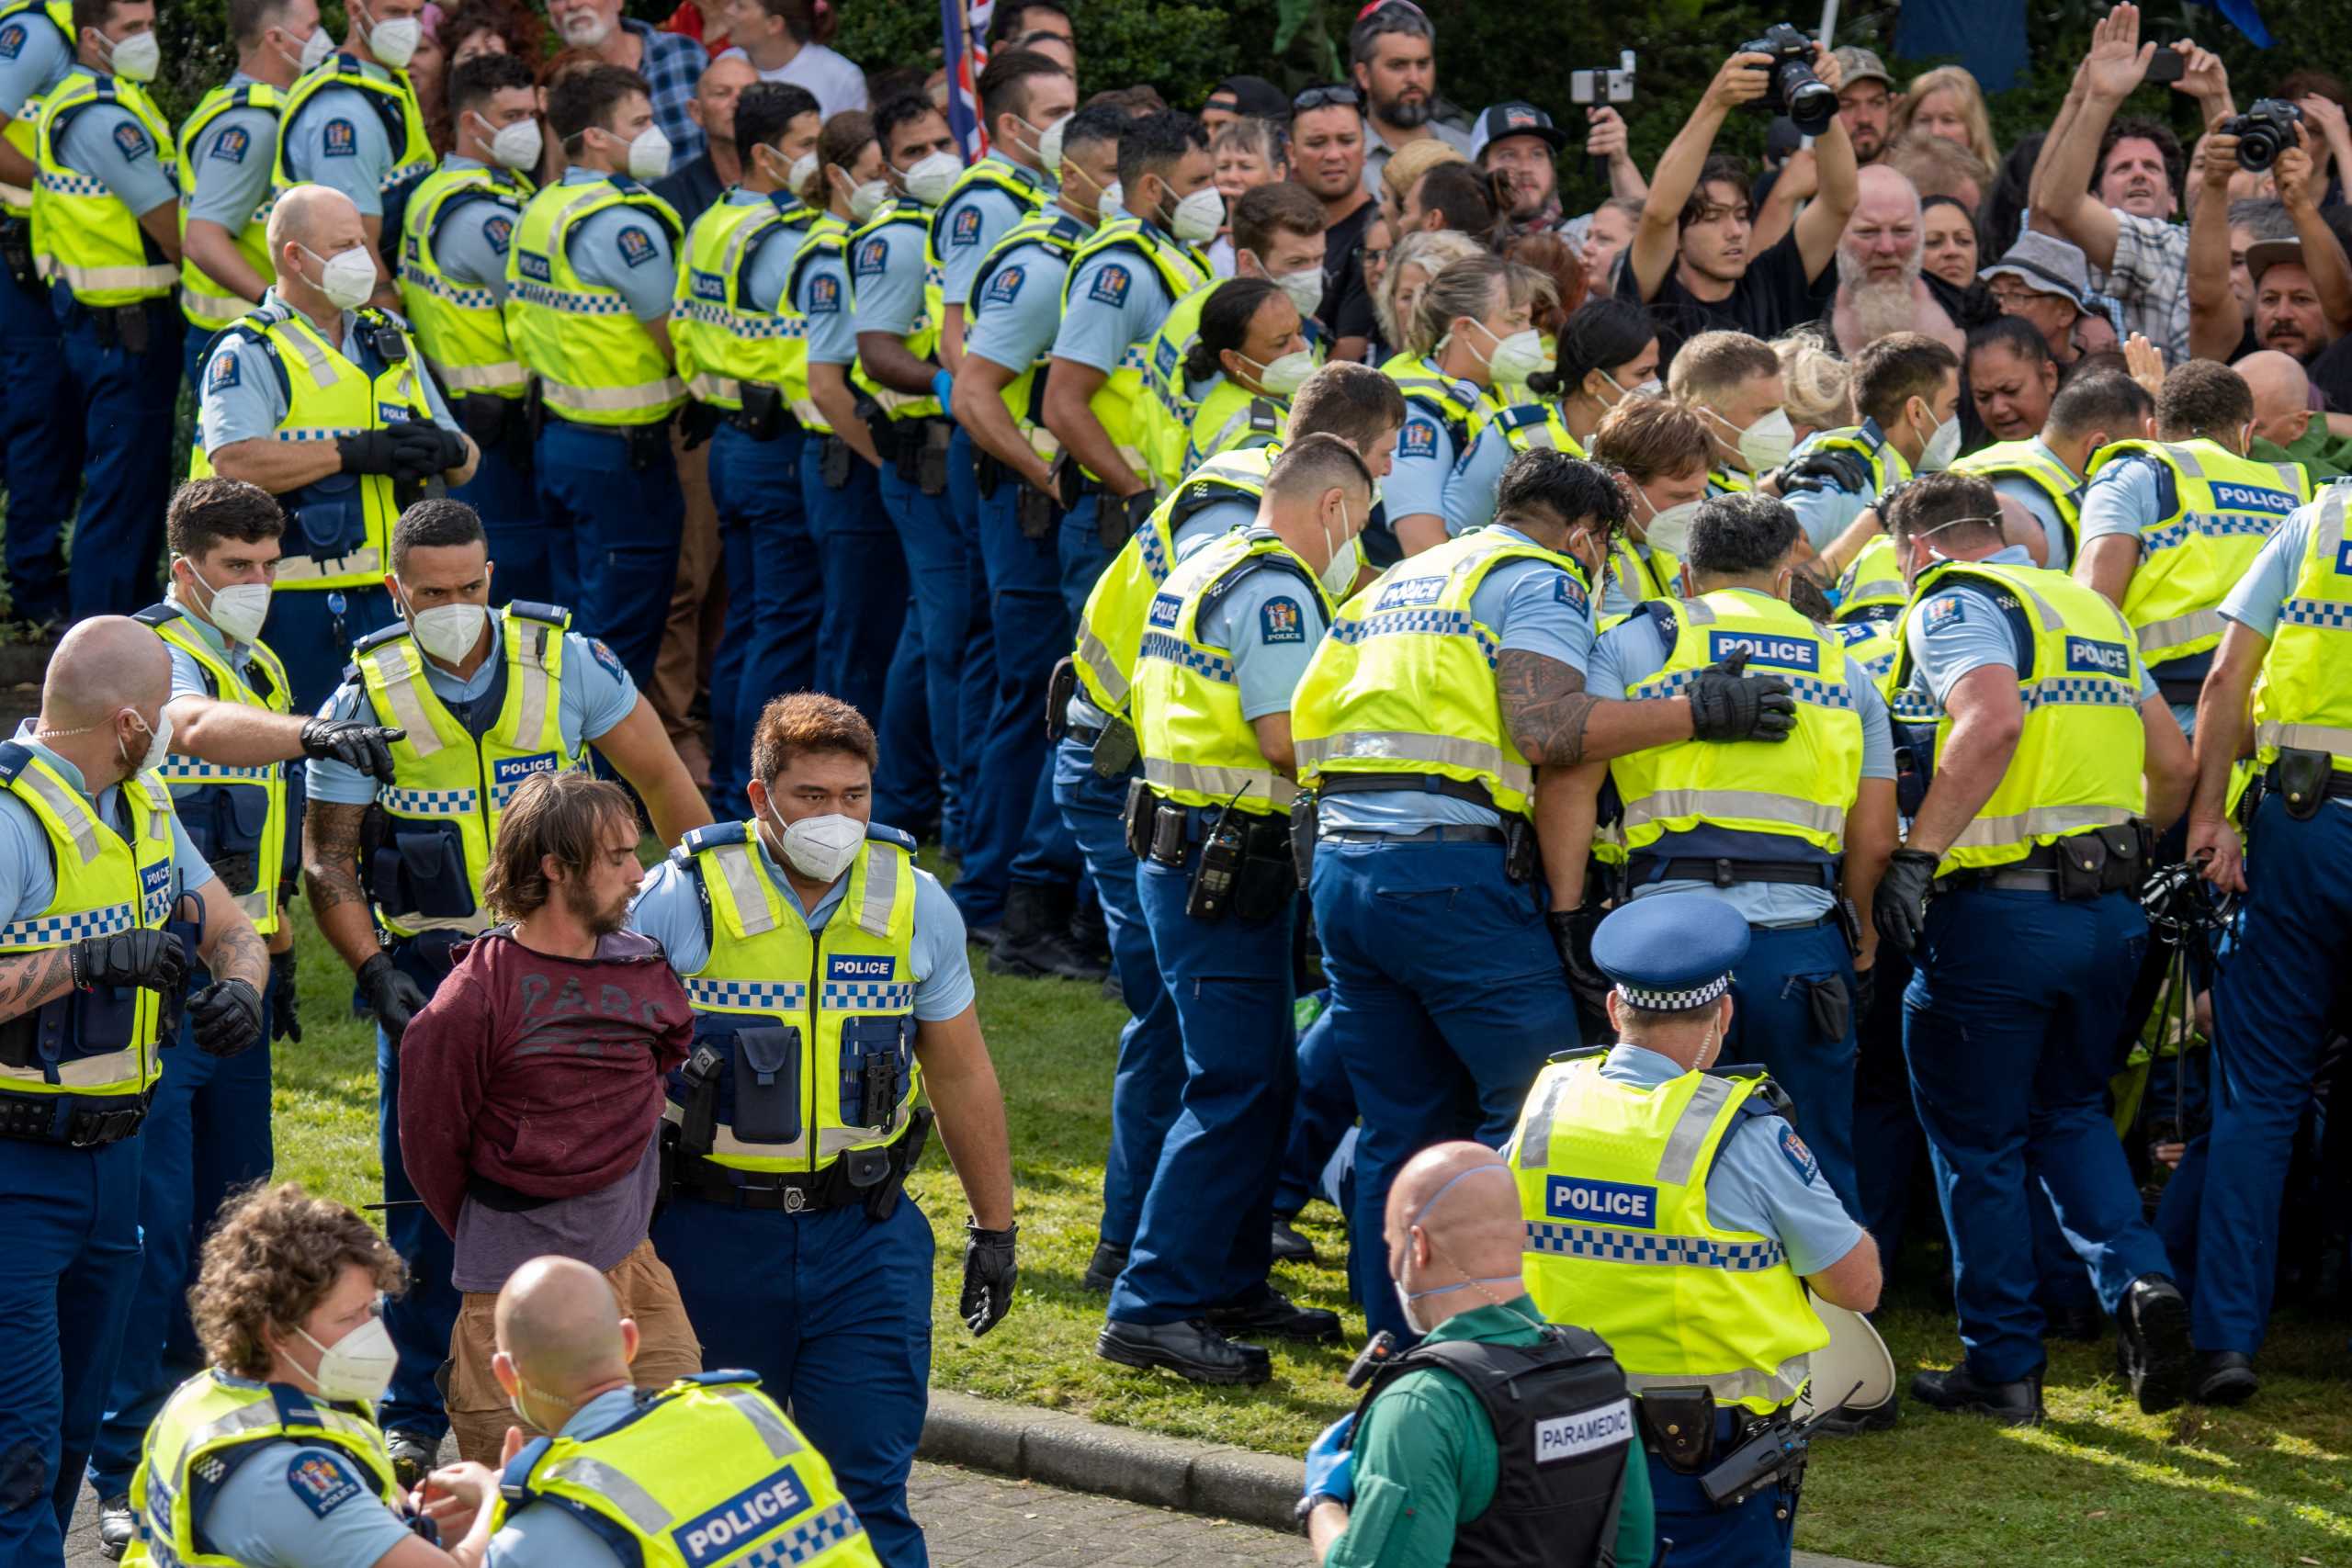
(813, 886)
(337, 123)
(1907, 387)
(564, 693)
(287, 1313)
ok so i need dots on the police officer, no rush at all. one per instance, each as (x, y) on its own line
(207, 1128)
(1230, 632)
(2222, 1207)
(271, 1453)
(482, 697)
(710, 1449)
(1096, 753)
(1012, 310)
(106, 233)
(459, 226)
(1794, 835)
(2170, 526)
(798, 1118)
(40, 442)
(1450, 456)
(95, 872)
(1459, 1423)
(319, 399)
(1661, 448)
(1671, 1208)
(1734, 383)
(352, 124)
(591, 279)
(1021, 95)
(226, 149)
(732, 345)
(1907, 387)
(2053, 755)
(2043, 474)
(1421, 753)
(1250, 347)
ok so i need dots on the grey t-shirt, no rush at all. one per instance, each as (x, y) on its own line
(599, 1228)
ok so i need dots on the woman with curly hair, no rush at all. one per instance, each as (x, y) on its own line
(272, 1454)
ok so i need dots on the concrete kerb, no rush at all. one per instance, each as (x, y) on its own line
(1056, 1449)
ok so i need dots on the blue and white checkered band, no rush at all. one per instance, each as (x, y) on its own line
(1675, 1001)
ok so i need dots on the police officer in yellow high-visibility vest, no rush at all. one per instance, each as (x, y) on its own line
(208, 1128)
(106, 235)
(590, 283)
(1451, 456)
(1907, 387)
(1672, 1209)
(800, 1113)
(322, 401)
(2053, 762)
(486, 699)
(40, 452)
(228, 148)
(458, 227)
(99, 888)
(2169, 525)
(353, 123)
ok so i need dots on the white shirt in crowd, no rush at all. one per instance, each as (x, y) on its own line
(836, 83)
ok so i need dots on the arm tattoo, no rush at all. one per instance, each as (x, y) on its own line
(331, 854)
(1546, 705)
(29, 981)
(242, 952)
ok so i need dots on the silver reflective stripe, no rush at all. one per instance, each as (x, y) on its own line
(2158, 635)
(743, 887)
(1406, 746)
(246, 1420)
(2187, 459)
(1535, 1131)
(1884, 588)
(1097, 659)
(881, 890)
(321, 364)
(723, 1140)
(709, 388)
(482, 378)
(1754, 805)
(85, 1072)
(613, 399)
(1698, 611)
(1225, 783)
(1779, 1386)
(616, 1488)
(1680, 1156)
(222, 308)
(2330, 525)
(756, 1409)
(90, 279)
(528, 644)
(256, 905)
(2305, 737)
(395, 665)
(1993, 833)
(833, 1141)
(67, 808)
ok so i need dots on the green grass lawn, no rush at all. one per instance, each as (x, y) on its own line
(2099, 1486)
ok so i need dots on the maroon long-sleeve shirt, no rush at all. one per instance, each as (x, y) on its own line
(543, 1074)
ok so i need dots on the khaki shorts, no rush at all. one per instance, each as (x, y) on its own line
(666, 1351)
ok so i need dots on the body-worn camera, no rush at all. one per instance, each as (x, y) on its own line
(1796, 91)
(2264, 131)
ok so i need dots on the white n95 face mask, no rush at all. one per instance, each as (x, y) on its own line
(1303, 289)
(347, 278)
(358, 1366)
(315, 49)
(448, 631)
(1766, 444)
(1942, 447)
(1285, 374)
(649, 154)
(798, 176)
(136, 58)
(394, 41)
(238, 610)
(867, 199)
(1049, 145)
(1670, 530)
(1198, 216)
(1114, 205)
(1516, 358)
(821, 848)
(515, 146)
(933, 177)
(159, 742)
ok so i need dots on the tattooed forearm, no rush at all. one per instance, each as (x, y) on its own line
(33, 978)
(331, 854)
(239, 950)
(1546, 705)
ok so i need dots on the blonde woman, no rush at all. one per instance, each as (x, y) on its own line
(1817, 387)
(1947, 102)
(1411, 264)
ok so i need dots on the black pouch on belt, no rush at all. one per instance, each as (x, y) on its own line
(1033, 512)
(762, 415)
(1060, 686)
(2302, 779)
(1678, 1425)
(1832, 1006)
(1268, 877)
(16, 251)
(1141, 809)
(2081, 866)
(131, 329)
(1070, 483)
(1116, 749)
(1302, 837)
(987, 477)
(1519, 849)
(931, 457)
(2130, 851)
(832, 463)
(901, 442)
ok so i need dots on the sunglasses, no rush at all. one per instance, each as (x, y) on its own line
(1341, 97)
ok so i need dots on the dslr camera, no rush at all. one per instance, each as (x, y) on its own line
(1795, 91)
(2264, 131)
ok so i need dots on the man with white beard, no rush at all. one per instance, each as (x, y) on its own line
(671, 63)
(1879, 262)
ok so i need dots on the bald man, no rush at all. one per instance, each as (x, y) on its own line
(93, 863)
(711, 1450)
(2285, 429)
(312, 359)
(1445, 1460)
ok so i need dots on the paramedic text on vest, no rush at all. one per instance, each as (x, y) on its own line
(96, 876)
(1672, 1209)
(2053, 761)
(1510, 1440)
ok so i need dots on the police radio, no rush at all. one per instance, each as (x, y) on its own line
(1773, 1455)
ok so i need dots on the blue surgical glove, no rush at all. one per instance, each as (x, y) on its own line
(942, 386)
(1332, 1469)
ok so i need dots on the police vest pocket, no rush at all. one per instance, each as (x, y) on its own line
(330, 514)
(225, 821)
(766, 1084)
(102, 1020)
(422, 871)
(876, 1053)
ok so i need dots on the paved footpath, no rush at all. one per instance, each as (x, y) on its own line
(979, 1520)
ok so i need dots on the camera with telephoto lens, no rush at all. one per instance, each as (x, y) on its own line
(1796, 91)
(2264, 131)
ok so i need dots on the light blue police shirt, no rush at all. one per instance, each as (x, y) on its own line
(242, 398)
(27, 882)
(669, 910)
(2036, 500)
(2256, 598)
(625, 248)
(886, 270)
(1018, 316)
(1632, 651)
(544, 1534)
(292, 1505)
(1764, 1178)
(33, 56)
(1427, 475)
(1270, 623)
(1533, 607)
(1958, 628)
(476, 233)
(771, 266)
(233, 163)
(823, 298)
(594, 695)
(106, 142)
(972, 220)
(1828, 512)
(338, 141)
(1116, 302)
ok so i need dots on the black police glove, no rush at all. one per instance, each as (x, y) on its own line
(1842, 471)
(1865, 993)
(153, 959)
(364, 747)
(989, 1273)
(1572, 938)
(392, 995)
(226, 1018)
(1899, 909)
(284, 1021)
(422, 450)
(1728, 705)
(369, 451)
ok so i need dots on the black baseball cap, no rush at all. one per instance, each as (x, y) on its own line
(1254, 96)
(1514, 118)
